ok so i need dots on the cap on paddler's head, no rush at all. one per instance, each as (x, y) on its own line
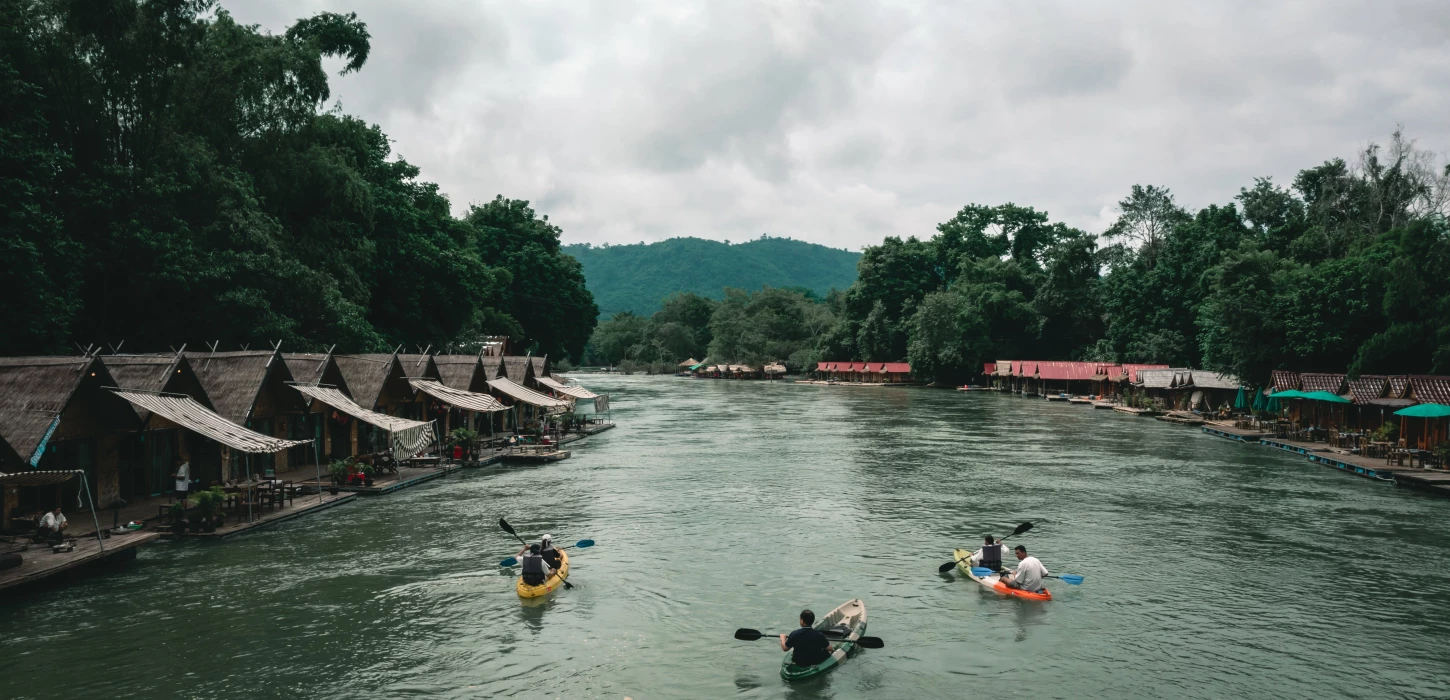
(545, 538)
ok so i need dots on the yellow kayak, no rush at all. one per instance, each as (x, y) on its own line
(555, 580)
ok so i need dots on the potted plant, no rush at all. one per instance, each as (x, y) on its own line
(337, 471)
(367, 471)
(209, 504)
(178, 517)
(464, 438)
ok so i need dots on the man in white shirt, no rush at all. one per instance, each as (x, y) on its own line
(1029, 573)
(51, 526)
(183, 479)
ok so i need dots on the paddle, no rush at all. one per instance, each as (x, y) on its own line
(1024, 527)
(1073, 579)
(581, 544)
(510, 530)
(750, 635)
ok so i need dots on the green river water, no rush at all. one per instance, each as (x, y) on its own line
(1214, 569)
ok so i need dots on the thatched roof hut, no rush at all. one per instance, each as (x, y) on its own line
(492, 366)
(40, 390)
(540, 365)
(517, 369)
(172, 374)
(461, 372)
(245, 383)
(365, 375)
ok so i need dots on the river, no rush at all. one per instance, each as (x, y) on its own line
(1214, 569)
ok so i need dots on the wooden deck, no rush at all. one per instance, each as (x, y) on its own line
(1229, 432)
(1141, 412)
(304, 505)
(532, 454)
(39, 563)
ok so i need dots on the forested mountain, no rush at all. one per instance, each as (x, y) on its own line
(638, 277)
(169, 176)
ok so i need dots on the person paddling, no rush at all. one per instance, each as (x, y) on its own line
(535, 570)
(991, 557)
(809, 645)
(547, 551)
(1029, 573)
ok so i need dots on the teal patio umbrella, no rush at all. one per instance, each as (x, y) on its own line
(1239, 402)
(1425, 410)
(1288, 394)
(1323, 396)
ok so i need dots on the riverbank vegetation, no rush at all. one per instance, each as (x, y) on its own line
(1345, 267)
(745, 327)
(167, 174)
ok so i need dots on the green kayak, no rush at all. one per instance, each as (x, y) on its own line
(841, 626)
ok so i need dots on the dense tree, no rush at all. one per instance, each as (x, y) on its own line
(169, 176)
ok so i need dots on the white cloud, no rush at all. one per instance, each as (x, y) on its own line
(843, 122)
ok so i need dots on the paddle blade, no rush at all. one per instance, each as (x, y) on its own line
(506, 527)
(747, 635)
(946, 567)
(508, 562)
(982, 571)
(1073, 579)
(871, 642)
(581, 544)
(1024, 527)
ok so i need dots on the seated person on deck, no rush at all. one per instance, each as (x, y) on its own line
(811, 647)
(51, 527)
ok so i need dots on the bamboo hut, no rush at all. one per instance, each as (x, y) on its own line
(249, 388)
(57, 416)
(147, 457)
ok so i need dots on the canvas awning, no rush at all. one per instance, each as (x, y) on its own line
(526, 395)
(38, 478)
(187, 413)
(577, 392)
(406, 437)
(466, 400)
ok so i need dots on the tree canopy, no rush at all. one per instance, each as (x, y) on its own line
(168, 175)
(1344, 269)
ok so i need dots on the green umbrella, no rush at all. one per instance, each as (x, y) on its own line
(1239, 400)
(1258, 400)
(1288, 394)
(1425, 410)
(1323, 396)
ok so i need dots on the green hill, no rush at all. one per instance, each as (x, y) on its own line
(636, 277)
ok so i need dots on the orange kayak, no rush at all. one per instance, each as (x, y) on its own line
(965, 561)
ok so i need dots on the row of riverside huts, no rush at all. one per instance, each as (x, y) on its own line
(1168, 388)
(708, 370)
(123, 420)
(864, 372)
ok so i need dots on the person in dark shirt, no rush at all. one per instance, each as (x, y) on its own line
(809, 645)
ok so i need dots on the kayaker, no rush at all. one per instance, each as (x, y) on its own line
(535, 570)
(547, 551)
(809, 645)
(1029, 573)
(991, 555)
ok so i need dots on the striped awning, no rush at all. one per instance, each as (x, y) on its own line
(187, 413)
(338, 400)
(573, 390)
(39, 478)
(466, 400)
(526, 395)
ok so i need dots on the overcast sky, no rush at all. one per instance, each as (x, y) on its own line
(842, 122)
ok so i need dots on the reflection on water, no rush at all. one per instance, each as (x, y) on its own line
(1213, 569)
